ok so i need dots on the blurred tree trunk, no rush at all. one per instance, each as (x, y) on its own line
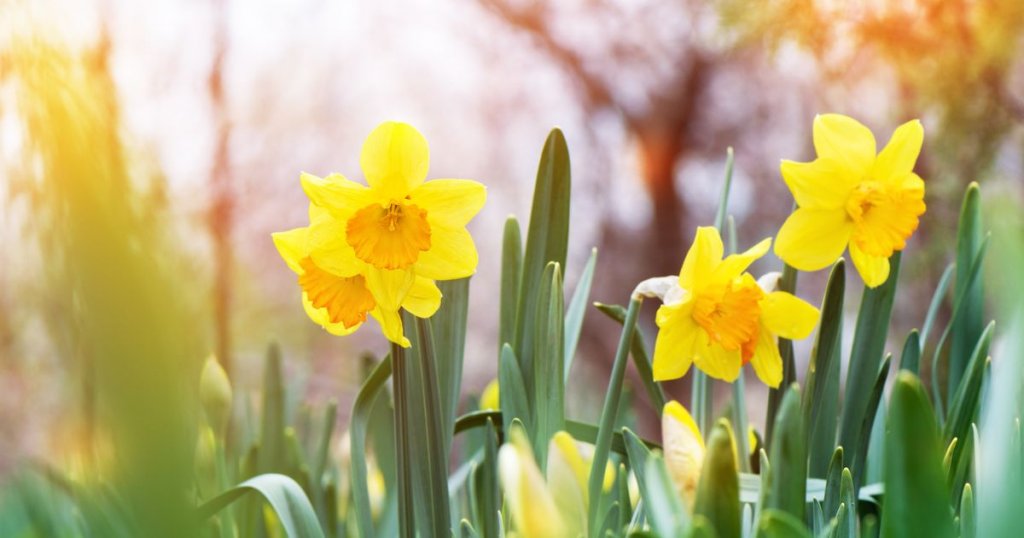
(221, 213)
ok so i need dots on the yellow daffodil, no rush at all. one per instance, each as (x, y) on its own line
(715, 315)
(340, 297)
(851, 196)
(399, 228)
(531, 504)
(532, 495)
(490, 398)
(684, 449)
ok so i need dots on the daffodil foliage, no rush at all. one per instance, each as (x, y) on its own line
(925, 439)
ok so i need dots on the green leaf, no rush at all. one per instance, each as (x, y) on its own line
(821, 399)
(548, 382)
(833, 481)
(788, 284)
(466, 530)
(641, 359)
(428, 441)
(718, 493)
(285, 496)
(779, 524)
(403, 435)
(866, 355)
(609, 413)
(702, 528)
(960, 304)
(910, 359)
(867, 436)
(847, 527)
(968, 527)
(511, 273)
(448, 328)
(485, 489)
(575, 313)
(916, 501)
(637, 455)
(964, 406)
(512, 396)
(664, 507)
(546, 241)
(968, 327)
(936, 303)
(788, 456)
(272, 444)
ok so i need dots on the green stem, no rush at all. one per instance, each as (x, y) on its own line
(608, 416)
(437, 456)
(401, 387)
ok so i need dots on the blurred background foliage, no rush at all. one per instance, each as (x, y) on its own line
(148, 150)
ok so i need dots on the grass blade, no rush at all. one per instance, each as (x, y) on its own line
(788, 455)
(548, 363)
(821, 397)
(641, 359)
(511, 273)
(609, 413)
(547, 240)
(916, 502)
(866, 354)
(285, 496)
(575, 312)
(969, 324)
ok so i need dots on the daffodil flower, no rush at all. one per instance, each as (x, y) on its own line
(553, 503)
(715, 315)
(490, 398)
(339, 298)
(397, 229)
(684, 449)
(850, 196)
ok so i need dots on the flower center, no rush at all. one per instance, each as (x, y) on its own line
(731, 314)
(389, 237)
(346, 298)
(883, 216)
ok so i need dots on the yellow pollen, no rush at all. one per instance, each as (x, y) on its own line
(346, 298)
(731, 314)
(390, 237)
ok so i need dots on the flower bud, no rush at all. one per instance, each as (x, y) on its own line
(215, 394)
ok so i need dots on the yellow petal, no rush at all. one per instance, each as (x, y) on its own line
(813, 239)
(322, 317)
(735, 264)
(716, 361)
(823, 183)
(389, 288)
(846, 140)
(490, 398)
(873, 269)
(291, 245)
(452, 255)
(788, 316)
(767, 361)
(673, 347)
(327, 245)
(898, 157)
(533, 508)
(450, 202)
(423, 299)
(336, 193)
(701, 260)
(684, 450)
(395, 159)
(391, 325)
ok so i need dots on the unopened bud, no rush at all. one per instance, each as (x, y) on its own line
(215, 394)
